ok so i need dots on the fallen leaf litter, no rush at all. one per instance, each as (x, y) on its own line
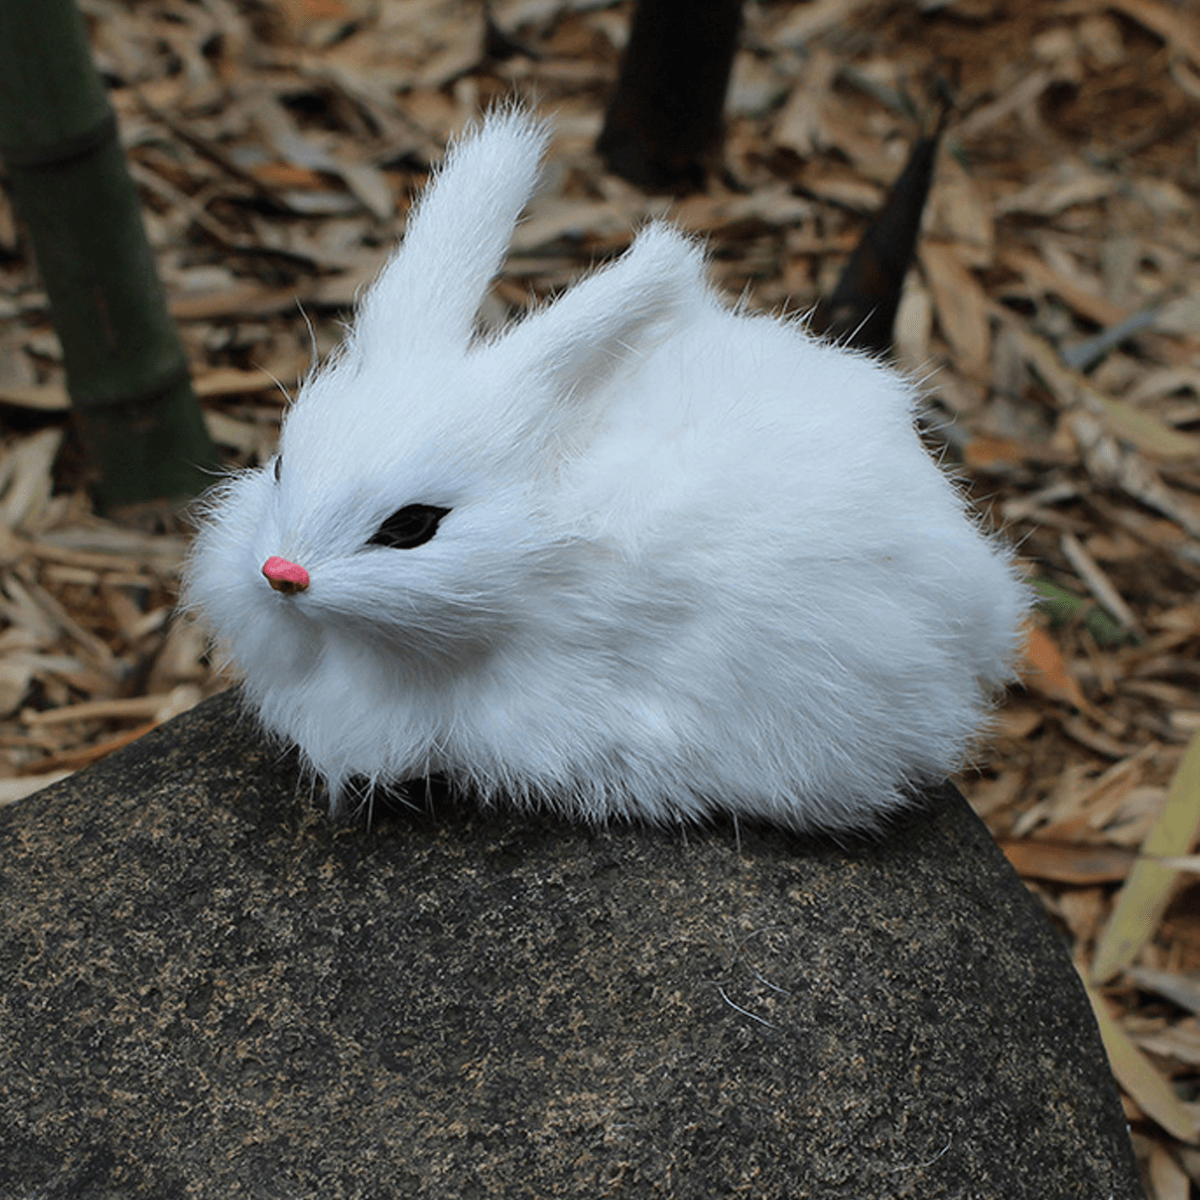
(1054, 314)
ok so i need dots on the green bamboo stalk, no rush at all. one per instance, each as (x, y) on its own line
(126, 369)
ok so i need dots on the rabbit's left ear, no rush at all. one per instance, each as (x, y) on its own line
(575, 344)
(456, 238)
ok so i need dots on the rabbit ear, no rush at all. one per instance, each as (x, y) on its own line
(620, 312)
(457, 236)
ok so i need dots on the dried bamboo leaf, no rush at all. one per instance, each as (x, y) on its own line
(1176, 27)
(90, 752)
(375, 92)
(1162, 381)
(1167, 1177)
(15, 677)
(370, 186)
(1110, 465)
(1085, 354)
(1182, 862)
(555, 218)
(1043, 277)
(844, 191)
(1045, 668)
(1142, 901)
(1137, 1075)
(92, 647)
(1095, 740)
(960, 212)
(302, 150)
(1184, 992)
(1020, 97)
(960, 303)
(1097, 581)
(231, 381)
(151, 706)
(799, 125)
(29, 482)
(1097, 799)
(914, 324)
(1067, 862)
(1063, 186)
(247, 437)
(46, 397)
(103, 545)
(1134, 425)
(20, 609)
(806, 23)
(14, 790)
(1144, 430)
(1180, 1042)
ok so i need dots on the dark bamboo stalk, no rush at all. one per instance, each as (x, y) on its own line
(861, 312)
(663, 123)
(126, 369)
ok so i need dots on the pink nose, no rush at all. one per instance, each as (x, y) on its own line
(285, 576)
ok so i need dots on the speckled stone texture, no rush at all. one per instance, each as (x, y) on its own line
(210, 991)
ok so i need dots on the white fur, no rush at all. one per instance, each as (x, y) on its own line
(696, 560)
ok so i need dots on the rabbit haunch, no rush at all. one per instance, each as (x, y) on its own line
(637, 554)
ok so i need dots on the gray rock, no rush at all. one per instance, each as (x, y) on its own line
(210, 991)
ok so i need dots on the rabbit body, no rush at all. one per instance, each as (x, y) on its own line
(683, 559)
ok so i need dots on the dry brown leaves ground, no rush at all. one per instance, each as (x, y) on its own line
(1055, 312)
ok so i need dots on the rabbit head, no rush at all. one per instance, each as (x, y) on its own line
(635, 554)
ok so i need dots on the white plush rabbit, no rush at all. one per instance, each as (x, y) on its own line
(638, 554)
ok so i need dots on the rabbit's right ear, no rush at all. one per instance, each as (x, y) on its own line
(607, 320)
(457, 236)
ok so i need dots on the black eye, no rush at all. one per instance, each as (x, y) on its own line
(278, 466)
(412, 525)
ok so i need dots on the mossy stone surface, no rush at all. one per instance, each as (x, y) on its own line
(211, 991)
